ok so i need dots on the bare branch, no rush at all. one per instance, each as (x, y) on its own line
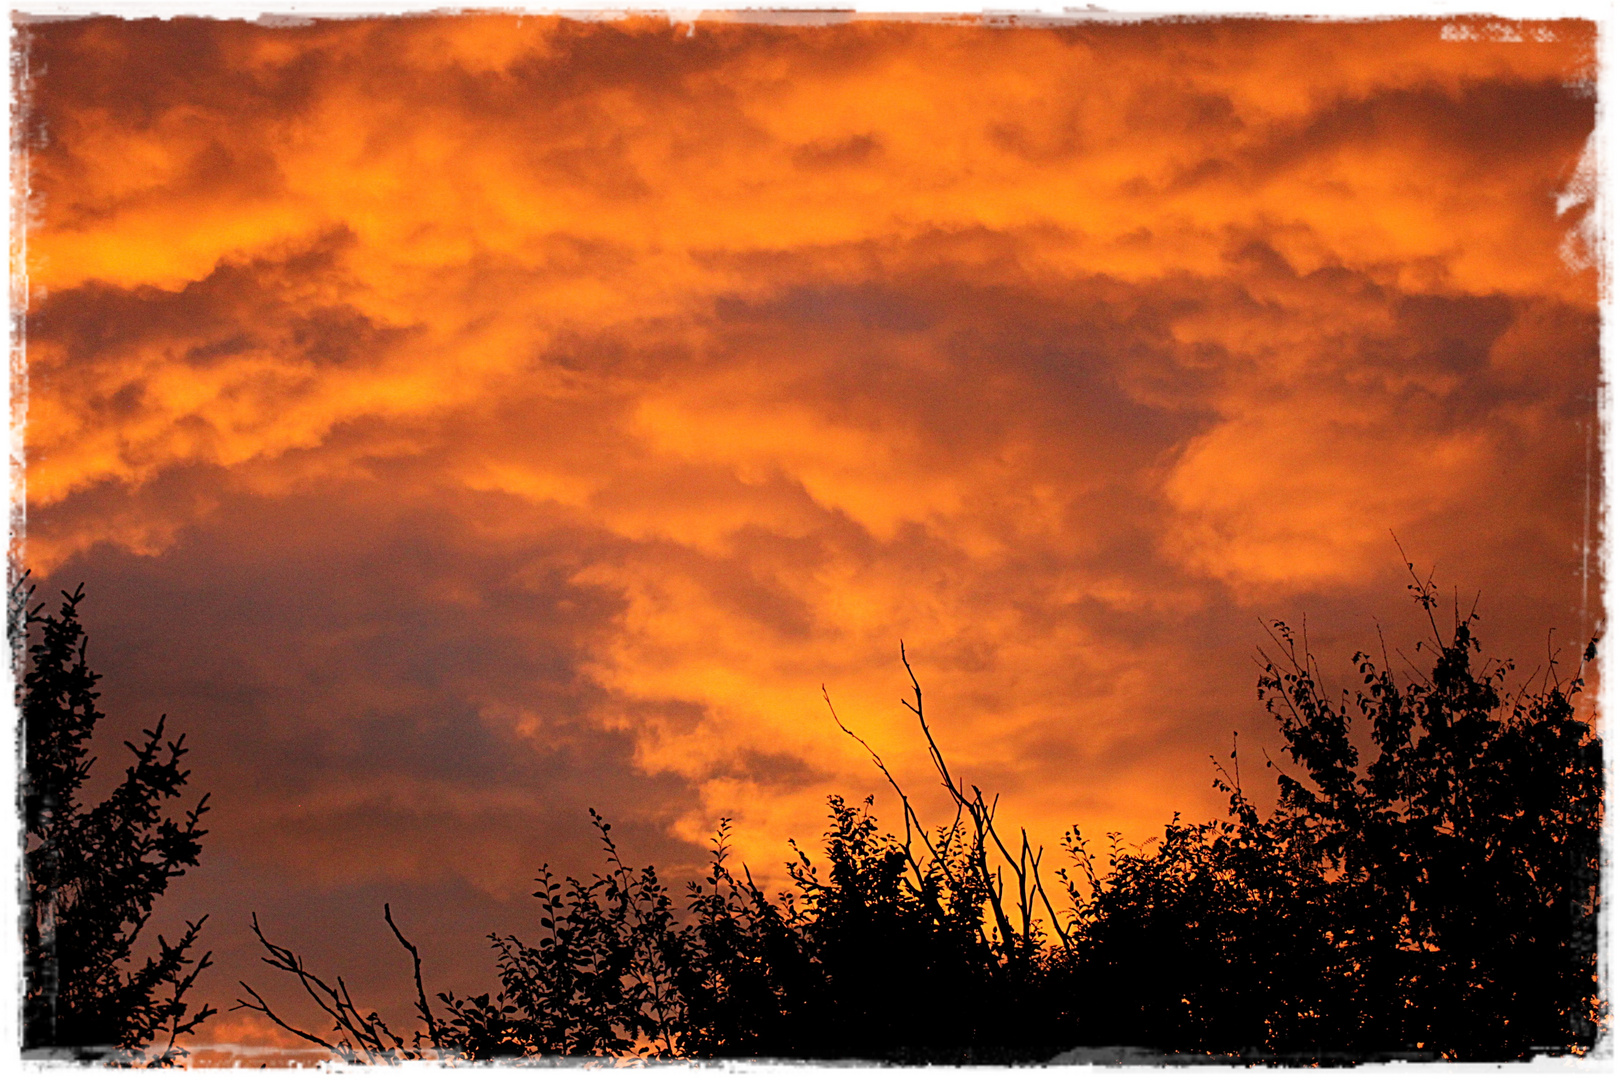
(258, 1005)
(421, 995)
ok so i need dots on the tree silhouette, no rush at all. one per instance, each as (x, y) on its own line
(93, 873)
(1464, 857)
(1437, 901)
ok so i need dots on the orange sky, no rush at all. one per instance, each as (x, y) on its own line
(459, 422)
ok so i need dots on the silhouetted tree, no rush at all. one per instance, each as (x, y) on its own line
(1464, 856)
(94, 872)
(1440, 900)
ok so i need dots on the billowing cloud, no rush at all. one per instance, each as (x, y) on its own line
(463, 421)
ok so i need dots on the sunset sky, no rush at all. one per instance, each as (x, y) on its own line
(461, 422)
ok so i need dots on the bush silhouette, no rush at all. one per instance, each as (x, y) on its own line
(93, 873)
(1437, 901)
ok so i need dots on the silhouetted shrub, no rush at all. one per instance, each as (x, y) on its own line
(1438, 901)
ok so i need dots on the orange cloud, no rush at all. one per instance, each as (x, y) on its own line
(502, 416)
